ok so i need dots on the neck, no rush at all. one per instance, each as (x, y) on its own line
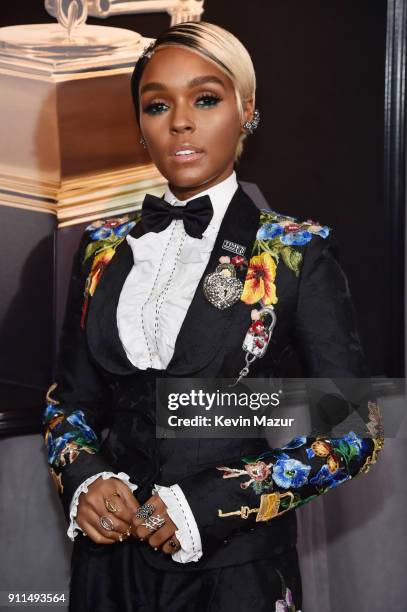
(186, 193)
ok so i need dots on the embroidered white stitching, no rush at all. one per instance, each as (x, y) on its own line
(161, 297)
(186, 520)
(151, 293)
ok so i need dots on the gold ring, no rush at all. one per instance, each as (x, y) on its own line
(125, 534)
(110, 505)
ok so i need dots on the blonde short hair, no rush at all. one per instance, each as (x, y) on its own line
(219, 46)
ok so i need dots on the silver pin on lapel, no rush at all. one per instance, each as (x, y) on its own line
(233, 247)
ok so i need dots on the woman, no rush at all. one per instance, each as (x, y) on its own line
(171, 292)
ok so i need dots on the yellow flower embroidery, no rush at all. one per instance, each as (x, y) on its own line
(99, 263)
(259, 283)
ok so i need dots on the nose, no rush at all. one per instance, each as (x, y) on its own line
(182, 119)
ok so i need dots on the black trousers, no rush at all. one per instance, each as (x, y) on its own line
(116, 578)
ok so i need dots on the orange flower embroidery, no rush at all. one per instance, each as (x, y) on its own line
(259, 283)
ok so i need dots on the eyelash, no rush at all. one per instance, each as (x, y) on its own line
(157, 108)
(212, 98)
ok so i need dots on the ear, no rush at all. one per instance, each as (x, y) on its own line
(248, 110)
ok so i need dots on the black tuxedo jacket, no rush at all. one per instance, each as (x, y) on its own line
(97, 387)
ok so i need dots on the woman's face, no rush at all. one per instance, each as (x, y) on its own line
(189, 119)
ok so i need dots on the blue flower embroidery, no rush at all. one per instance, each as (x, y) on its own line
(123, 230)
(108, 232)
(55, 447)
(324, 479)
(296, 442)
(300, 235)
(269, 231)
(51, 413)
(101, 233)
(323, 232)
(290, 473)
(350, 438)
(296, 238)
(310, 453)
(77, 418)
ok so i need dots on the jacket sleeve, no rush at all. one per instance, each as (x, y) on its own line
(79, 399)
(229, 498)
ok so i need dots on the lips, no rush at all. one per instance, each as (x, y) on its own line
(186, 152)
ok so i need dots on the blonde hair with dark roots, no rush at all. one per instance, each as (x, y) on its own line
(217, 45)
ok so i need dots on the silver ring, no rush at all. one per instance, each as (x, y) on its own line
(107, 523)
(152, 523)
(144, 511)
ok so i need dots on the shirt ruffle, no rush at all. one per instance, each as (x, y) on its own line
(140, 298)
(181, 514)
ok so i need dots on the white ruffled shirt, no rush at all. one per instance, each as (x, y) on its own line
(152, 306)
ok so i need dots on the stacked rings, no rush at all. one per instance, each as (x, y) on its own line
(144, 511)
(152, 523)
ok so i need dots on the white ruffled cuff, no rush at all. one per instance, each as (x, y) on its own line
(83, 488)
(179, 511)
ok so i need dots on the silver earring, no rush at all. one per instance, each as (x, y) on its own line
(251, 125)
(143, 142)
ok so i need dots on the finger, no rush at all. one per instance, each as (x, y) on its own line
(168, 548)
(98, 508)
(144, 533)
(95, 536)
(118, 505)
(159, 508)
(129, 501)
(159, 537)
(118, 526)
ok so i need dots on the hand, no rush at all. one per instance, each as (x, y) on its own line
(161, 537)
(92, 506)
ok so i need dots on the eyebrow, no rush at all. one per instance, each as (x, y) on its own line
(201, 80)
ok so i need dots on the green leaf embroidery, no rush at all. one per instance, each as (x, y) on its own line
(92, 248)
(292, 258)
(252, 459)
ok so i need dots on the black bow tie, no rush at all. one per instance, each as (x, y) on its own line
(157, 214)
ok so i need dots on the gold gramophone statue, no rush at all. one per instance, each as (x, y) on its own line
(72, 142)
(69, 154)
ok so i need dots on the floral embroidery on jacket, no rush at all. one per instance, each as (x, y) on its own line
(286, 604)
(105, 236)
(342, 459)
(64, 447)
(259, 284)
(275, 239)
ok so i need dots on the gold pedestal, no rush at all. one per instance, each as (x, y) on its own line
(69, 133)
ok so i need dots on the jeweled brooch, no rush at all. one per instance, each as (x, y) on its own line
(222, 288)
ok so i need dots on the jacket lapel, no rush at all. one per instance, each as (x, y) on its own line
(101, 327)
(204, 329)
(203, 332)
